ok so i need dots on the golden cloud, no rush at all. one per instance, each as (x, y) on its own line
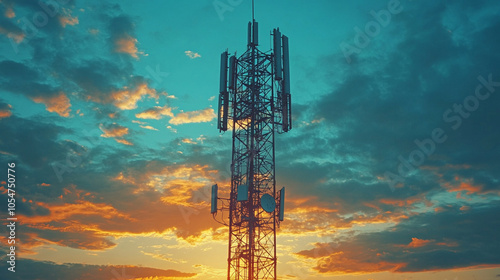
(148, 127)
(59, 104)
(127, 45)
(156, 113)
(126, 99)
(188, 141)
(416, 243)
(68, 20)
(199, 116)
(115, 131)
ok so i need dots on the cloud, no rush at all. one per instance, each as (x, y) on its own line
(127, 45)
(127, 98)
(205, 115)
(122, 30)
(115, 131)
(5, 110)
(446, 246)
(51, 270)
(59, 104)
(192, 55)
(66, 19)
(34, 152)
(9, 11)
(19, 78)
(148, 127)
(156, 113)
(188, 141)
(124, 142)
(11, 30)
(415, 242)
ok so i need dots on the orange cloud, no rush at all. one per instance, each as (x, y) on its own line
(126, 99)
(199, 116)
(416, 243)
(16, 35)
(465, 186)
(448, 244)
(68, 20)
(5, 112)
(399, 203)
(9, 12)
(465, 208)
(341, 260)
(156, 113)
(127, 45)
(115, 131)
(60, 212)
(59, 104)
(124, 142)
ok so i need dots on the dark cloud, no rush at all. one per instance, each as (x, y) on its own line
(45, 270)
(393, 93)
(448, 239)
(34, 144)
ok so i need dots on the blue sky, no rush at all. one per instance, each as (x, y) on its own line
(108, 109)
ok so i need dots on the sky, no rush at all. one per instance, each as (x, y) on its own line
(392, 171)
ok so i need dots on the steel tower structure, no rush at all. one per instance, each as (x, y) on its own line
(254, 102)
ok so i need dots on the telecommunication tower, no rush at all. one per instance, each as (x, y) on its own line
(255, 103)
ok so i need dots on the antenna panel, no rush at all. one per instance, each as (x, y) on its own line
(282, 204)
(242, 194)
(255, 33)
(232, 72)
(223, 95)
(249, 33)
(223, 72)
(286, 97)
(286, 66)
(223, 111)
(278, 72)
(214, 198)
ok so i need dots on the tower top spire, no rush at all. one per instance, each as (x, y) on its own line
(253, 10)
